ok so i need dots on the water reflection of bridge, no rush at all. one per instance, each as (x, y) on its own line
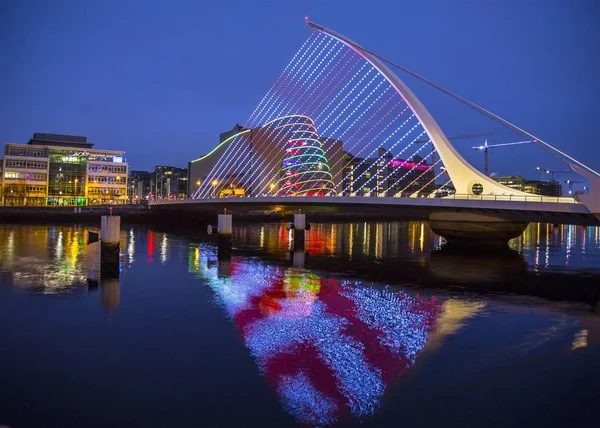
(329, 347)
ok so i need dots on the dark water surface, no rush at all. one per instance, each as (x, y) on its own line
(374, 324)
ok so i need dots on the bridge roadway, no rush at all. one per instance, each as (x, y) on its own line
(513, 208)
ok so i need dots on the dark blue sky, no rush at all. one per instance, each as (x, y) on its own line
(161, 80)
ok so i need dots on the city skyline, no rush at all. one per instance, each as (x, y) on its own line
(176, 78)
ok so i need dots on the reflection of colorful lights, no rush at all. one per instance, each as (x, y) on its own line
(150, 246)
(131, 246)
(163, 248)
(59, 246)
(330, 348)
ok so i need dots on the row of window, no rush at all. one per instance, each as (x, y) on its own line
(101, 191)
(30, 153)
(26, 164)
(9, 175)
(11, 188)
(109, 168)
(105, 158)
(107, 180)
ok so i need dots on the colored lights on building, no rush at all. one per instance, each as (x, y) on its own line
(304, 170)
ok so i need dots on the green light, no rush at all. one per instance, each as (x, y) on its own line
(305, 163)
(305, 172)
(224, 142)
(306, 155)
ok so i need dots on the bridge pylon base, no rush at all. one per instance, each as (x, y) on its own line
(475, 230)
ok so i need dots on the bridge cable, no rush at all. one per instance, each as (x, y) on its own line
(479, 109)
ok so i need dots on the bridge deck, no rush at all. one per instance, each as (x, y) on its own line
(533, 211)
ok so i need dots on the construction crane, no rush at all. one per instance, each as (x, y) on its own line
(572, 182)
(456, 137)
(485, 148)
(459, 137)
(551, 171)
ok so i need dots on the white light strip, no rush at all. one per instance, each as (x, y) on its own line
(272, 90)
(409, 171)
(376, 162)
(381, 131)
(267, 170)
(235, 147)
(354, 99)
(381, 145)
(228, 161)
(396, 156)
(432, 180)
(345, 86)
(333, 136)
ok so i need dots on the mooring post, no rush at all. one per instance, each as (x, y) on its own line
(110, 236)
(224, 235)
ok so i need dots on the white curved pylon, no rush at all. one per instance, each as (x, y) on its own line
(463, 175)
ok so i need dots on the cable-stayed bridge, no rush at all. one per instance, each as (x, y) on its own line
(338, 128)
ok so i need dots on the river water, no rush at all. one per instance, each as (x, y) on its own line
(372, 324)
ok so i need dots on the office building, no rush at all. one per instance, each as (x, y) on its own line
(62, 170)
(536, 187)
(141, 185)
(170, 182)
(165, 182)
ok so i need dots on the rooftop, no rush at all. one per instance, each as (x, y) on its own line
(60, 140)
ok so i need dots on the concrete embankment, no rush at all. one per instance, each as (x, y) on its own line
(131, 213)
(139, 213)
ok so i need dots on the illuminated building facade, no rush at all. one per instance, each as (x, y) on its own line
(284, 157)
(536, 187)
(62, 170)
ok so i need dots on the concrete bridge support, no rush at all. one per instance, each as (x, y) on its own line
(299, 231)
(110, 237)
(224, 236)
(471, 229)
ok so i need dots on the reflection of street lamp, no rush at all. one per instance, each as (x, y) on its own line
(214, 183)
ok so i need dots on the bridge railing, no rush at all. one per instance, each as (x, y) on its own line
(456, 196)
(514, 198)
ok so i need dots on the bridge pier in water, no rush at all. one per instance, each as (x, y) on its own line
(224, 236)
(474, 230)
(110, 237)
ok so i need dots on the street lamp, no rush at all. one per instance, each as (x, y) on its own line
(272, 186)
(214, 183)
